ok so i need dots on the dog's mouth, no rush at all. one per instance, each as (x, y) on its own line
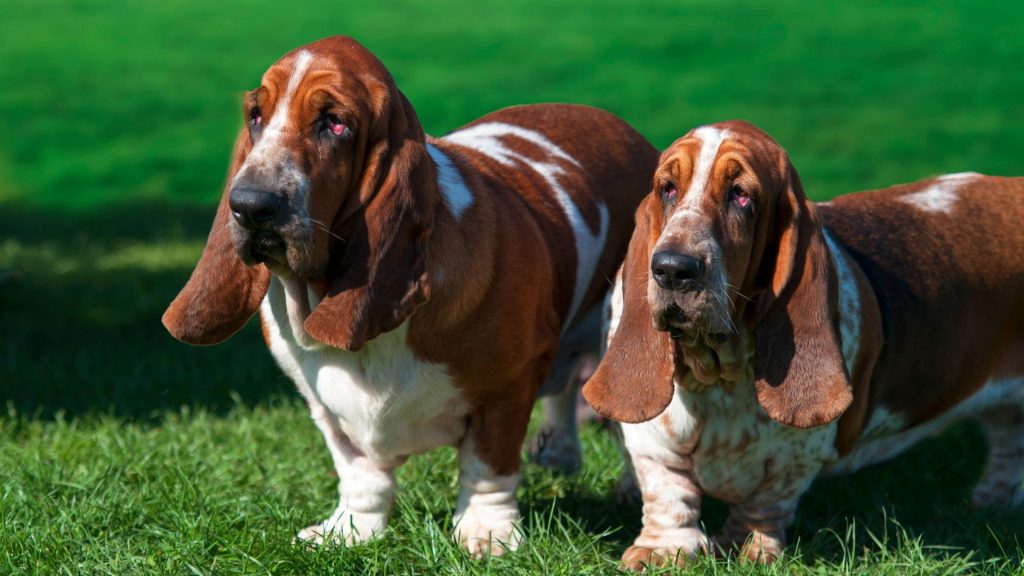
(261, 247)
(712, 355)
(266, 245)
(688, 328)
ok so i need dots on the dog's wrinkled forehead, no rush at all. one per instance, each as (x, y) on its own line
(695, 156)
(339, 66)
(336, 73)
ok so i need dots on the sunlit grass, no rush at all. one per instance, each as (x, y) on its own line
(125, 452)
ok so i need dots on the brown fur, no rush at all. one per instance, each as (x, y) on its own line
(931, 309)
(222, 293)
(781, 263)
(948, 287)
(508, 263)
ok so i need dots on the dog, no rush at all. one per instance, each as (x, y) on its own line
(761, 339)
(415, 289)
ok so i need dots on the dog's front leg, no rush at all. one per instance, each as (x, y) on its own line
(757, 526)
(366, 489)
(671, 512)
(486, 516)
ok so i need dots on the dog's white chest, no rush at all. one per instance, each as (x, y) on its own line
(734, 449)
(389, 403)
(741, 449)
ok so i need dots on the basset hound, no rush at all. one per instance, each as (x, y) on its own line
(415, 289)
(760, 339)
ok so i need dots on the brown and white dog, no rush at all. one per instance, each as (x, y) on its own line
(760, 339)
(415, 289)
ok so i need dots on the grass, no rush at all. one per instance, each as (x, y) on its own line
(125, 452)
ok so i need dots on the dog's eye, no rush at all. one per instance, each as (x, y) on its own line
(740, 196)
(255, 117)
(334, 125)
(669, 192)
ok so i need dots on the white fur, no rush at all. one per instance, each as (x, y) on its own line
(717, 442)
(613, 304)
(374, 407)
(486, 514)
(389, 403)
(849, 302)
(875, 446)
(487, 138)
(710, 141)
(720, 442)
(456, 194)
(941, 196)
(268, 150)
(883, 422)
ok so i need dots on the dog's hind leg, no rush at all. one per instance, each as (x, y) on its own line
(556, 444)
(1002, 482)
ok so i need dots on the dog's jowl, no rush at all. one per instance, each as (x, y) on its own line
(414, 288)
(762, 339)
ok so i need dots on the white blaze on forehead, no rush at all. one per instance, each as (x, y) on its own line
(456, 194)
(488, 138)
(710, 141)
(941, 196)
(269, 144)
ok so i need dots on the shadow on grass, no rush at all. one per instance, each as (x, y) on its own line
(921, 495)
(915, 504)
(81, 296)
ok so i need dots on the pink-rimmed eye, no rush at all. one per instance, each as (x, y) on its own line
(334, 125)
(739, 196)
(669, 192)
(255, 117)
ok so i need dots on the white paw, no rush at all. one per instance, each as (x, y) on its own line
(665, 547)
(488, 534)
(344, 527)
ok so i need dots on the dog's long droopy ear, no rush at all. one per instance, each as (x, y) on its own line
(223, 293)
(634, 381)
(380, 272)
(799, 371)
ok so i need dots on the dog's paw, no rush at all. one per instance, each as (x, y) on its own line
(760, 547)
(482, 537)
(668, 547)
(556, 450)
(638, 558)
(351, 529)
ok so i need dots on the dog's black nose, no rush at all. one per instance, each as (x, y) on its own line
(675, 271)
(252, 207)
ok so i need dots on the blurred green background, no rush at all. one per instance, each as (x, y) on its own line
(117, 119)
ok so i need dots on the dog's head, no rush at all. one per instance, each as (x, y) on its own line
(326, 186)
(728, 262)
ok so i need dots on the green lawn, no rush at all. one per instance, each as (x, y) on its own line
(123, 451)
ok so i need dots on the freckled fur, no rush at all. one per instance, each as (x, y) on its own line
(929, 321)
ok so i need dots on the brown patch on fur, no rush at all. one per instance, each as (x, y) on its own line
(947, 286)
(509, 263)
(799, 369)
(487, 294)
